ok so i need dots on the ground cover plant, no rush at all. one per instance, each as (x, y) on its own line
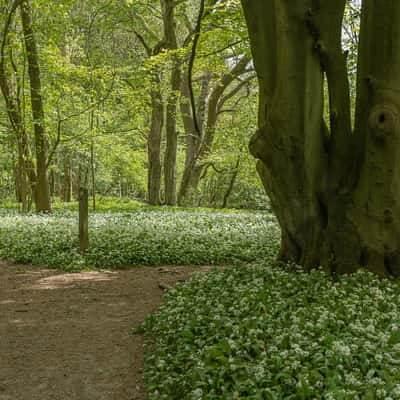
(126, 204)
(136, 238)
(268, 332)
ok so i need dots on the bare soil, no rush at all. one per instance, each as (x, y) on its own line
(68, 336)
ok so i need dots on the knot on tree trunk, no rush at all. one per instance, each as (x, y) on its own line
(388, 216)
(383, 122)
(258, 144)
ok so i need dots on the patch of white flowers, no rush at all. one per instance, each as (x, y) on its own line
(138, 238)
(263, 332)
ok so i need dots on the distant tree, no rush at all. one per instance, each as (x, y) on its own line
(41, 187)
(334, 187)
(29, 176)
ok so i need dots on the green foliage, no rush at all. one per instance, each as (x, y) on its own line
(267, 332)
(107, 204)
(245, 204)
(136, 238)
(96, 79)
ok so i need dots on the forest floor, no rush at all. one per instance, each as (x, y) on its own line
(68, 336)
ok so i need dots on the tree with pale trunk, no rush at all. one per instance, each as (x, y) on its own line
(334, 185)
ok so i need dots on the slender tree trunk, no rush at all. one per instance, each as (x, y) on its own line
(193, 142)
(21, 179)
(195, 165)
(42, 193)
(92, 160)
(52, 182)
(172, 139)
(83, 220)
(93, 175)
(17, 184)
(168, 7)
(19, 189)
(67, 181)
(154, 143)
(25, 170)
(335, 192)
(231, 183)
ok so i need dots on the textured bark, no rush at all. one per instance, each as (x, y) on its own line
(172, 103)
(154, 143)
(335, 190)
(42, 192)
(52, 182)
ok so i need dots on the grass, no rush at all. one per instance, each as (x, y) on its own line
(143, 237)
(267, 332)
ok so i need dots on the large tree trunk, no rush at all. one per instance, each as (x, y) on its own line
(335, 191)
(171, 133)
(42, 192)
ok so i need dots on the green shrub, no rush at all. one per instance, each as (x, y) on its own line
(126, 204)
(106, 204)
(263, 332)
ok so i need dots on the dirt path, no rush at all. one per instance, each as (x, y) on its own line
(67, 336)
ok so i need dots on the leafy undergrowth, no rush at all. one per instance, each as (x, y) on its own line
(122, 204)
(265, 332)
(139, 238)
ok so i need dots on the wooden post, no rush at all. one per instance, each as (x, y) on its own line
(83, 220)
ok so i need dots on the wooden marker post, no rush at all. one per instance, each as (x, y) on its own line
(83, 220)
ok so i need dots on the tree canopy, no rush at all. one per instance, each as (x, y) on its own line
(116, 109)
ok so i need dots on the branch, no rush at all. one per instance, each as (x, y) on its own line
(12, 108)
(188, 24)
(6, 29)
(74, 115)
(196, 38)
(143, 42)
(215, 52)
(146, 27)
(234, 91)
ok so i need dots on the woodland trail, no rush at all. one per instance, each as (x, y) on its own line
(68, 336)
